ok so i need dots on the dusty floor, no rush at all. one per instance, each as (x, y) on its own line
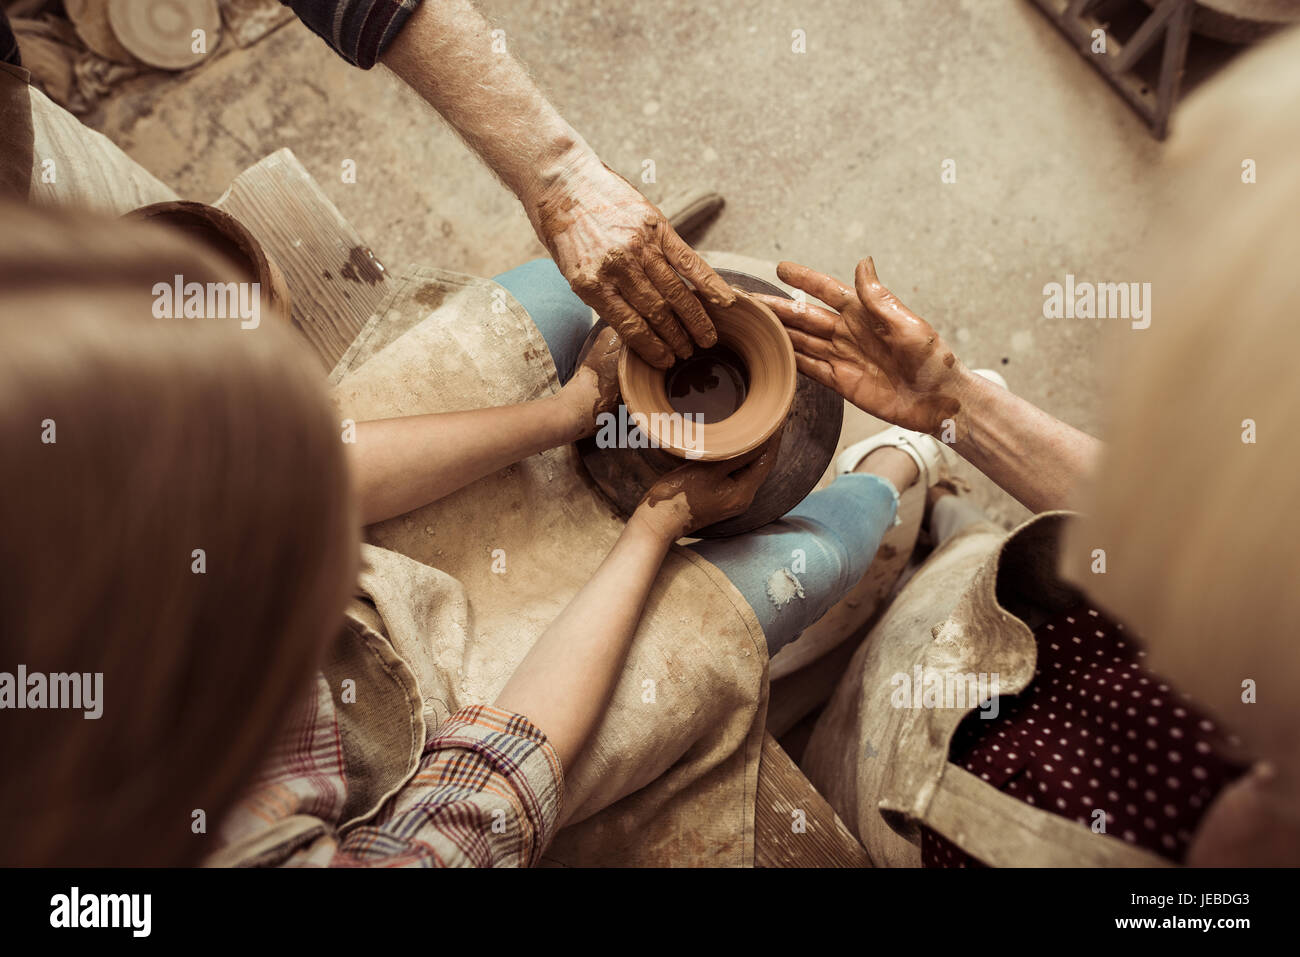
(824, 156)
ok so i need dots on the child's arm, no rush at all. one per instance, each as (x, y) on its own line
(565, 681)
(401, 464)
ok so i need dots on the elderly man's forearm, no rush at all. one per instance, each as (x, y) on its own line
(446, 52)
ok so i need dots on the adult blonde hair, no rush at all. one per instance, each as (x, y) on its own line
(171, 436)
(1200, 527)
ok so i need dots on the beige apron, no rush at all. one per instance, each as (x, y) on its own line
(885, 769)
(670, 774)
(51, 157)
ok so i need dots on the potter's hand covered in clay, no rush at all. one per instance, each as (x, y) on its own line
(872, 350)
(624, 259)
(696, 495)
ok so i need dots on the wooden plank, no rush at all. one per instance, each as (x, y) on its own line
(334, 280)
(823, 841)
(796, 695)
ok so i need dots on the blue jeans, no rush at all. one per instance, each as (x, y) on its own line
(791, 571)
(560, 316)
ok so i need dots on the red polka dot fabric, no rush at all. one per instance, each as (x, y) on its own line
(1097, 734)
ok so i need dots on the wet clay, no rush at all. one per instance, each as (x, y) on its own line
(751, 332)
(711, 384)
(602, 360)
(718, 490)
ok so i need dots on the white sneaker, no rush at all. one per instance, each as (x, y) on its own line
(925, 450)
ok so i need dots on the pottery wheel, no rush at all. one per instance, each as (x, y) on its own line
(811, 434)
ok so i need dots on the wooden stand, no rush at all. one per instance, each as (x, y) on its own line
(335, 281)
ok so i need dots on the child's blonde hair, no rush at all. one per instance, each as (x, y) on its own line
(177, 515)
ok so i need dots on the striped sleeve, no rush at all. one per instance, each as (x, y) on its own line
(487, 794)
(8, 42)
(357, 30)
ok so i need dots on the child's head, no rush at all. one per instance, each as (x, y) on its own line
(176, 515)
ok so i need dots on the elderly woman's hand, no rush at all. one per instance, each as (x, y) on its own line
(871, 349)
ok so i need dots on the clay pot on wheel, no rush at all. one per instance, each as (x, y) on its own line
(720, 402)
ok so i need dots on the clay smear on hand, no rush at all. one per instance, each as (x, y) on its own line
(624, 259)
(715, 491)
(601, 361)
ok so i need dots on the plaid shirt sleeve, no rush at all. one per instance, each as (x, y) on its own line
(486, 793)
(357, 30)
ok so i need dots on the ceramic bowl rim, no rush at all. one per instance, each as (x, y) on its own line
(626, 355)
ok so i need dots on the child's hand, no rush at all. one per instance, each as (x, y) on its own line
(594, 386)
(697, 495)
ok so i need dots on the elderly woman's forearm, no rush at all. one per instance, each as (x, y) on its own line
(1030, 454)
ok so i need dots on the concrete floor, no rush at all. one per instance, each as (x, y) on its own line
(824, 157)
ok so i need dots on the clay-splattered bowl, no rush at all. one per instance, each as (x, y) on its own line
(754, 333)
